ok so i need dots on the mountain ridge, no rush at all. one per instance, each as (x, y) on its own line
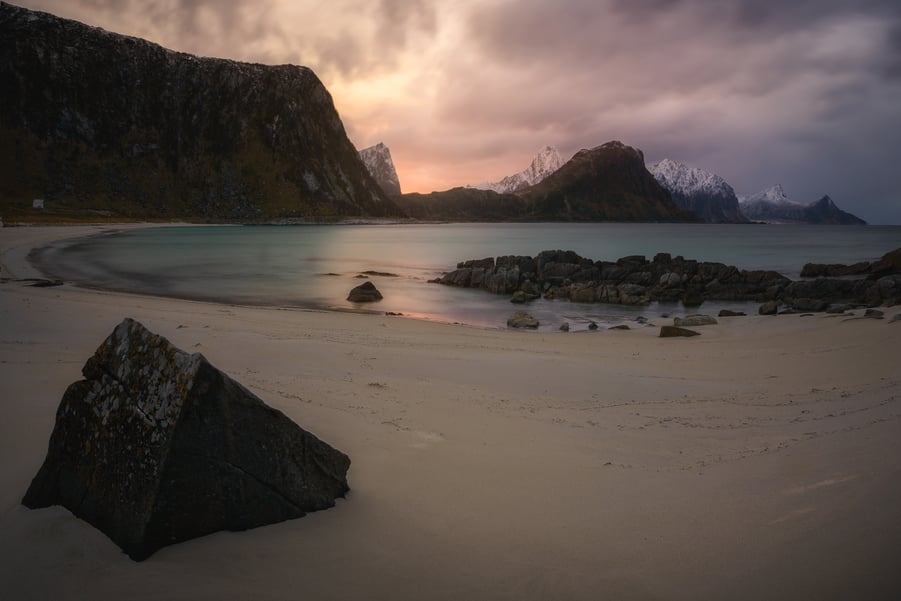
(609, 182)
(772, 205)
(544, 163)
(704, 193)
(605, 183)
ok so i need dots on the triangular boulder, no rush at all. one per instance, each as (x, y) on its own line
(156, 446)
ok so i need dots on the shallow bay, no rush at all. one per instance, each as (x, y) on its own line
(316, 266)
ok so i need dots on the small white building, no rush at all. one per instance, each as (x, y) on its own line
(37, 203)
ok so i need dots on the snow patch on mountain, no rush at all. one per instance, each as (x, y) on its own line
(546, 162)
(774, 195)
(771, 205)
(704, 193)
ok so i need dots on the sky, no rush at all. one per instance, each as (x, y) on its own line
(805, 93)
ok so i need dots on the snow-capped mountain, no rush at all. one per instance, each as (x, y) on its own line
(705, 194)
(768, 203)
(379, 164)
(774, 206)
(771, 205)
(547, 161)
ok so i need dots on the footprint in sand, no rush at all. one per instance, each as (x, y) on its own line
(425, 439)
(797, 490)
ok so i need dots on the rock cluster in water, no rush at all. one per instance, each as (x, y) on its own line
(635, 280)
(156, 446)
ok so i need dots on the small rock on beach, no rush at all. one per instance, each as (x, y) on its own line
(365, 293)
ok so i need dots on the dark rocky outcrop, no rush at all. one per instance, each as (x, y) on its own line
(365, 293)
(629, 281)
(635, 280)
(156, 446)
(91, 120)
(888, 264)
(834, 270)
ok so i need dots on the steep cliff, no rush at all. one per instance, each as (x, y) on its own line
(92, 120)
(380, 166)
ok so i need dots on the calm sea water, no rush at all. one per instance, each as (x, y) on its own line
(316, 266)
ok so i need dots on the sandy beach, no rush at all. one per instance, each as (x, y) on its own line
(760, 460)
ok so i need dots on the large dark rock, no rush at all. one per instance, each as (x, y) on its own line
(365, 293)
(156, 446)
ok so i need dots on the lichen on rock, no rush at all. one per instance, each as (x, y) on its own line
(156, 446)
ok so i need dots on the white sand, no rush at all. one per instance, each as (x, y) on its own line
(761, 460)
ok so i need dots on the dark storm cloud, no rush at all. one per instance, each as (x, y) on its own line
(347, 37)
(724, 85)
(892, 70)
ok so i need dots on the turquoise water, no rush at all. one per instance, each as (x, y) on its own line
(316, 266)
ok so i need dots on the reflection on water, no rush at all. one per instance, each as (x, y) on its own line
(288, 265)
